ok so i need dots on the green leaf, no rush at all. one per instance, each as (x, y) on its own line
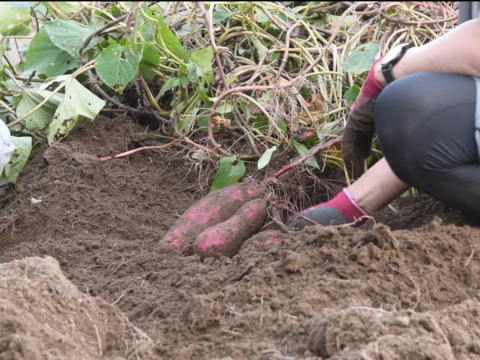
(23, 49)
(260, 123)
(305, 92)
(97, 20)
(46, 58)
(19, 157)
(362, 59)
(169, 85)
(275, 56)
(351, 95)
(194, 72)
(202, 121)
(231, 78)
(185, 123)
(180, 52)
(67, 6)
(3, 48)
(302, 150)
(203, 94)
(147, 31)
(78, 103)
(41, 11)
(220, 14)
(183, 80)
(261, 49)
(150, 55)
(225, 108)
(227, 173)
(319, 23)
(265, 159)
(348, 21)
(21, 5)
(69, 36)
(117, 66)
(170, 40)
(14, 21)
(43, 116)
(332, 128)
(287, 19)
(261, 17)
(203, 124)
(204, 58)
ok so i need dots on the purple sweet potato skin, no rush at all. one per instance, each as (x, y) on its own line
(212, 209)
(227, 237)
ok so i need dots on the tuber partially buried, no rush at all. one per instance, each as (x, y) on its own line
(211, 210)
(227, 237)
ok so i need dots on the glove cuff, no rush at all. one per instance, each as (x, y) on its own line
(372, 86)
(370, 89)
(355, 211)
(349, 212)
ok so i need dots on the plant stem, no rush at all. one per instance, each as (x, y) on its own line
(314, 150)
(208, 19)
(6, 107)
(134, 151)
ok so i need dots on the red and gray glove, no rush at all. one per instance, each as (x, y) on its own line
(342, 208)
(358, 133)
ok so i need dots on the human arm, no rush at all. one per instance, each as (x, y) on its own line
(456, 52)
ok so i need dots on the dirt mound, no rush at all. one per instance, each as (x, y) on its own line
(361, 332)
(101, 220)
(45, 316)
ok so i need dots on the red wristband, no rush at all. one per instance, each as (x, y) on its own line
(371, 89)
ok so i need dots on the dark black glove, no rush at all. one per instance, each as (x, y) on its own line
(357, 138)
(358, 133)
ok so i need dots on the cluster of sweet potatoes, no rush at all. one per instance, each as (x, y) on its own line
(220, 223)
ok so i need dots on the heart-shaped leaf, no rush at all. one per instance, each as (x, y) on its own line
(228, 174)
(362, 59)
(117, 66)
(77, 104)
(46, 58)
(40, 119)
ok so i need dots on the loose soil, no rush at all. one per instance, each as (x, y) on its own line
(404, 287)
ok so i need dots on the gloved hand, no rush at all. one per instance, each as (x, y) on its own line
(342, 208)
(6, 147)
(358, 133)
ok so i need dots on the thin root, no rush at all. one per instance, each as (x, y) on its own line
(410, 277)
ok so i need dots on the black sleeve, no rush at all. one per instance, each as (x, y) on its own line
(468, 10)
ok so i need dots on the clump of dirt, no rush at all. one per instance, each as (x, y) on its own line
(101, 220)
(45, 316)
(362, 332)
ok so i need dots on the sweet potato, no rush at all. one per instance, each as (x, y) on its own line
(211, 210)
(226, 238)
(264, 237)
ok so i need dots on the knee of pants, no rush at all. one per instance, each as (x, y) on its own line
(397, 108)
(396, 111)
(413, 117)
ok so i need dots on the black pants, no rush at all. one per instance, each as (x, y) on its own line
(425, 127)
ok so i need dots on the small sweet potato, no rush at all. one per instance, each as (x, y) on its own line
(227, 237)
(213, 209)
(264, 237)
